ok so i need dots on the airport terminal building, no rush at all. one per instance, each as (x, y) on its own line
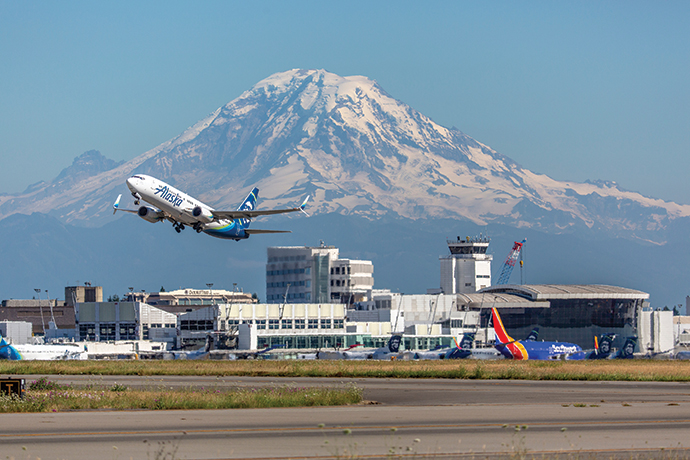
(567, 313)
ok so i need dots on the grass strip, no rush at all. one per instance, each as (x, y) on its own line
(51, 397)
(604, 370)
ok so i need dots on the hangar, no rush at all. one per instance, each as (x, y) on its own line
(567, 313)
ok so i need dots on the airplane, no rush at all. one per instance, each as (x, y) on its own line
(44, 352)
(336, 354)
(528, 349)
(459, 351)
(390, 351)
(602, 348)
(627, 350)
(168, 203)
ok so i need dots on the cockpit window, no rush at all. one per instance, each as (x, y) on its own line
(137, 177)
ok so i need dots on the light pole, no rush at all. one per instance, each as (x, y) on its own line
(52, 317)
(40, 307)
(210, 291)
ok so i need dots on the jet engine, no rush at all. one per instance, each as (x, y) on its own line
(149, 214)
(202, 214)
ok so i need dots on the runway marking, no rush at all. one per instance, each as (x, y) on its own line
(555, 425)
(474, 455)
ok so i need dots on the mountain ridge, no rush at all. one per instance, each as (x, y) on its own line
(359, 151)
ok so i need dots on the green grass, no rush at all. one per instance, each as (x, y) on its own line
(45, 396)
(607, 370)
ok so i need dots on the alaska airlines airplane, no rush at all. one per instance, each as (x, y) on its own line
(183, 210)
(459, 351)
(390, 351)
(530, 349)
(40, 352)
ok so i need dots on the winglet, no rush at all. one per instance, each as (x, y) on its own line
(116, 205)
(304, 205)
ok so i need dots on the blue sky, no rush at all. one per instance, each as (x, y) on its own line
(575, 90)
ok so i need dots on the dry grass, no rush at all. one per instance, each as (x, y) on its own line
(46, 396)
(634, 370)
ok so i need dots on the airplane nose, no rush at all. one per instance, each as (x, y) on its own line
(131, 183)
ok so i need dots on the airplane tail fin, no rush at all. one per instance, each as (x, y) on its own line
(534, 335)
(249, 204)
(467, 340)
(502, 336)
(210, 342)
(605, 344)
(394, 343)
(7, 351)
(628, 348)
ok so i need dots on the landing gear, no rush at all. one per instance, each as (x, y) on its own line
(178, 227)
(136, 198)
(198, 227)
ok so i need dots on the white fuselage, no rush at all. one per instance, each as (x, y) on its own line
(163, 196)
(49, 352)
(177, 205)
(485, 353)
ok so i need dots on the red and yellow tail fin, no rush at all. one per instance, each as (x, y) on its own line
(501, 334)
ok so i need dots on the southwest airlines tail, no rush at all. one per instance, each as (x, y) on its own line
(509, 347)
(502, 336)
(7, 351)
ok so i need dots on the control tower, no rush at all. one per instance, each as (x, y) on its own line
(468, 267)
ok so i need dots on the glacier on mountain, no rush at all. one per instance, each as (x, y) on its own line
(358, 151)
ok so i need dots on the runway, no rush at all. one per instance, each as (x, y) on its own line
(406, 418)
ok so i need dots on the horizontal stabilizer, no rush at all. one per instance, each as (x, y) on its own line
(256, 231)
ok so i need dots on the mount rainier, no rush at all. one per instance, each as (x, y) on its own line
(389, 185)
(357, 150)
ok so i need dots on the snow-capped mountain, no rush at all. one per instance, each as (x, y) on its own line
(357, 150)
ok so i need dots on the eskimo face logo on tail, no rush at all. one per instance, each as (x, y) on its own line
(173, 198)
(394, 344)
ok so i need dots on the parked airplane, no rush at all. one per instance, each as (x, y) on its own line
(183, 210)
(528, 349)
(627, 350)
(40, 352)
(390, 351)
(602, 348)
(459, 351)
(335, 354)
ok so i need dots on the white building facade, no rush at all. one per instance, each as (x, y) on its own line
(301, 274)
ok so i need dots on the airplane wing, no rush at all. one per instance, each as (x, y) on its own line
(250, 214)
(152, 214)
(116, 206)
